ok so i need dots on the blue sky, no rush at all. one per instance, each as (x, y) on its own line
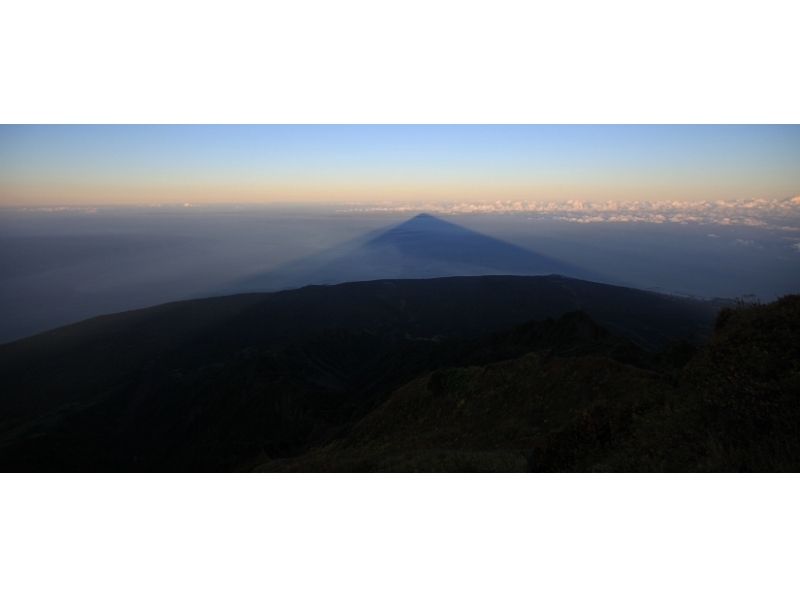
(100, 164)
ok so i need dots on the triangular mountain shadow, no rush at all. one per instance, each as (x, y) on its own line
(423, 247)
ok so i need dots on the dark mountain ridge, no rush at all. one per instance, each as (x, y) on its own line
(731, 405)
(211, 384)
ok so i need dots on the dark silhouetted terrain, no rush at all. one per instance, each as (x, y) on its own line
(734, 405)
(258, 380)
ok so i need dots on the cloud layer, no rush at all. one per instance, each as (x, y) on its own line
(782, 214)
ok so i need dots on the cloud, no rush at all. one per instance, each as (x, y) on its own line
(748, 243)
(77, 209)
(757, 212)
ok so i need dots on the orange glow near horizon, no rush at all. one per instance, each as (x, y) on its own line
(205, 164)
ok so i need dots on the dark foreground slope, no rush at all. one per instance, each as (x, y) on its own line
(733, 406)
(229, 382)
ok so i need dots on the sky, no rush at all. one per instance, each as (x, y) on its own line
(46, 165)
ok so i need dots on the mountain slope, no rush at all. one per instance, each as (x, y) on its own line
(209, 384)
(735, 406)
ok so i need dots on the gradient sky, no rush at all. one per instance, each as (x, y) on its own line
(134, 164)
